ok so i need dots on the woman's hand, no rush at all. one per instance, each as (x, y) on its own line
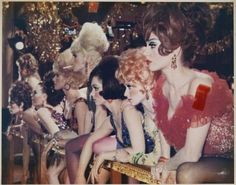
(80, 180)
(95, 169)
(122, 156)
(161, 173)
(158, 170)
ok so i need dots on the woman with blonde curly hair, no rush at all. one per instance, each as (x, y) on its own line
(139, 80)
(88, 47)
(28, 69)
(70, 82)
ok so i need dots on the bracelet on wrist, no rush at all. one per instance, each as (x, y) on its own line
(136, 157)
(163, 159)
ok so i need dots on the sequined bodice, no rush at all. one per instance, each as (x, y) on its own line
(60, 120)
(149, 142)
(220, 134)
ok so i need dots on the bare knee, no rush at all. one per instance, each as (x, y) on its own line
(185, 173)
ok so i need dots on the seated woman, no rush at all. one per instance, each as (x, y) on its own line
(52, 118)
(194, 109)
(87, 49)
(20, 105)
(139, 81)
(124, 119)
(75, 106)
(28, 69)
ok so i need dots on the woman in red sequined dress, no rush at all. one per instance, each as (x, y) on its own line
(194, 109)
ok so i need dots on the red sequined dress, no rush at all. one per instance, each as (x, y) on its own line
(219, 107)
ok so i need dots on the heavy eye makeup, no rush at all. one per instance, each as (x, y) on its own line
(130, 86)
(95, 87)
(153, 43)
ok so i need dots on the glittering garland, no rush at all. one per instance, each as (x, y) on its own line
(122, 12)
(218, 46)
(44, 29)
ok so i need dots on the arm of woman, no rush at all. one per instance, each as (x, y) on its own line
(45, 117)
(86, 153)
(29, 118)
(165, 147)
(191, 152)
(81, 110)
(133, 122)
(100, 116)
(88, 122)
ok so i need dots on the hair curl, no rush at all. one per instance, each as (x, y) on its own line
(134, 68)
(64, 66)
(21, 92)
(178, 24)
(27, 61)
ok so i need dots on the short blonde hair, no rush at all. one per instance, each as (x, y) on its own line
(134, 68)
(92, 42)
(64, 66)
(27, 61)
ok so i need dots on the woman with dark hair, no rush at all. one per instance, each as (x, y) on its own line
(123, 119)
(20, 105)
(24, 119)
(191, 114)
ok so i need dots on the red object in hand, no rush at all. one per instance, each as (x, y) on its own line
(200, 97)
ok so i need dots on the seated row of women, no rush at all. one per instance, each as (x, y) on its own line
(122, 109)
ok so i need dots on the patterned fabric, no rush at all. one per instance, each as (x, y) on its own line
(218, 107)
(151, 158)
(149, 142)
(60, 120)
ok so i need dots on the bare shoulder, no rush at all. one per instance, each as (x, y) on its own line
(200, 79)
(80, 104)
(29, 111)
(127, 107)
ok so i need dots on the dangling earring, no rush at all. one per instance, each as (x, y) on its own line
(173, 62)
(147, 95)
(67, 87)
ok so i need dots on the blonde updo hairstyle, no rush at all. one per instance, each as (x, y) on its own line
(91, 43)
(134, 68)
(27, 61)
(64, 66)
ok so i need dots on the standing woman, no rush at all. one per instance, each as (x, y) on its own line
(75, 106)
(191, 114)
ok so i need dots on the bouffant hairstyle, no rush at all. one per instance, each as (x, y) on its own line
(178, 24)
(27, 61)
(64, 66)
(134, 68)
(91, 42)
(105, 71)
(54, 97)
(21, 92)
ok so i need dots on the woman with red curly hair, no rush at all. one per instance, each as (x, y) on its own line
(139, 80)
(191, 114)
